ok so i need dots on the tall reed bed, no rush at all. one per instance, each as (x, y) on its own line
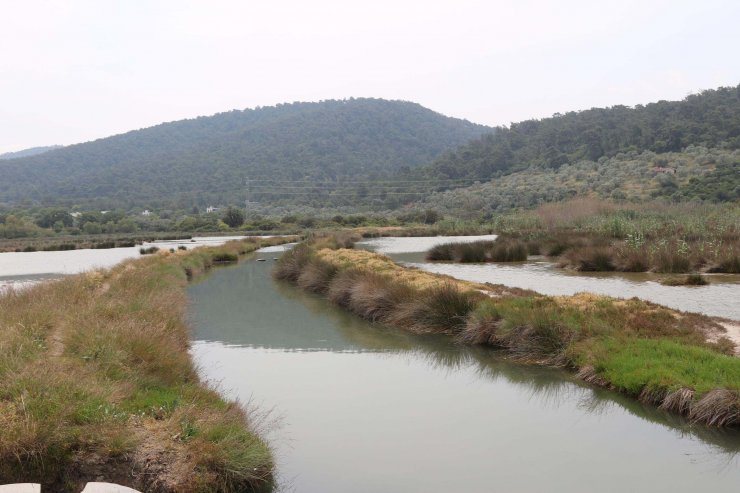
(590, 234)
(96, 380)
(653, 353)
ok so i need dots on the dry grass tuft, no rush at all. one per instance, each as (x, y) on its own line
(679, 401)
(718, 407)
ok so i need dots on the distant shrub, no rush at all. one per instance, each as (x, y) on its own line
(476, 251)
(104, 245)
(62, 247)
(440, 252)
(148, 250)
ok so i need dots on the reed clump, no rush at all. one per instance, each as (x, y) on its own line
(653, 353)
(224, 257)
(499, 250)
(96, 379)
(690, 280)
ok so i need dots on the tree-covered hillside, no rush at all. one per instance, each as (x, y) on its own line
(207, 160)
(33, 151)
(709, 119)
(696, 173)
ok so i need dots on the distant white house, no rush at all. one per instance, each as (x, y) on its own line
(147, 212)
(75, 214)
(210, 209)
(661, 169)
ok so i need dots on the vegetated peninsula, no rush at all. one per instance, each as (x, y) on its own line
(681, 362)
(209, 160)
(96, 381)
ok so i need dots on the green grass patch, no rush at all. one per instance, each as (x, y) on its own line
(631, 364)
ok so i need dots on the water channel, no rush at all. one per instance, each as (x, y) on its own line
(721, 298)
(359, 407)
(21, 269)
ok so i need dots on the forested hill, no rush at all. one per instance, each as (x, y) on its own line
(710, 119)
(208, 159)
(28, 152)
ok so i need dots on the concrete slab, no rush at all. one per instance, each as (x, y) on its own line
(20, 488)
(107, 488)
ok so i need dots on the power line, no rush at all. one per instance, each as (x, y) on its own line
(369, 194)
(366, 182)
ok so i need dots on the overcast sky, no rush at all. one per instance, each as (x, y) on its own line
(72, 70)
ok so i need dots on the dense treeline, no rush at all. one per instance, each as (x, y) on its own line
(207, 160)
(710, 119)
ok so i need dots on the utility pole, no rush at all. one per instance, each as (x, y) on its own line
(246, 194)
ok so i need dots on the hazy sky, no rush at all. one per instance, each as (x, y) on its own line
(72, 71)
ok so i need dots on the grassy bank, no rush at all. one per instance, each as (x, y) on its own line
(96, 381)
(677, 361)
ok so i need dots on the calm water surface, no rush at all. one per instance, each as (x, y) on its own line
(364, 408)
(20, 269)
(721, 298)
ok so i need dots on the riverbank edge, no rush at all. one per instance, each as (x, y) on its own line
(679, 362)
(97, 382)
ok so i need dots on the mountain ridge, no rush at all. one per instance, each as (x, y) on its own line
(31, 151)
(179, 162)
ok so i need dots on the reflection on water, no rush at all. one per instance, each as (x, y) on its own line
(368, 409)
(720, 298)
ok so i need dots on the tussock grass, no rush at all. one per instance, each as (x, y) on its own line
(96, 378)
(291, 263)
(316, 277)
(438, 310)
(371, 296)
(645, 350)
(594, 259)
